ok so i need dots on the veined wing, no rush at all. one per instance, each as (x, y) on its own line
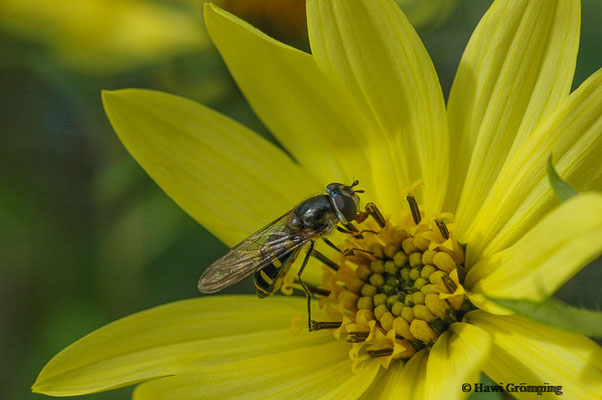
(256, 251)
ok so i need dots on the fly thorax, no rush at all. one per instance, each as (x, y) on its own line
(315, 213)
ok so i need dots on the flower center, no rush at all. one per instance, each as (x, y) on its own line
(398, 286)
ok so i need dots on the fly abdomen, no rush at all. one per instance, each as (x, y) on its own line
(268, 279)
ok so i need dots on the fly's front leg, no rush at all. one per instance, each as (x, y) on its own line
(356, 234)
(346, 252)
(312, 325)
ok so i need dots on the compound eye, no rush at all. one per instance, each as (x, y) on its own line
(333, 187)
(346, 206)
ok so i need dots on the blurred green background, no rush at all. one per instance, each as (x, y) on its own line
(87, 237)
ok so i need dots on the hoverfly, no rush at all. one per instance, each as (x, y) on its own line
(270, 252)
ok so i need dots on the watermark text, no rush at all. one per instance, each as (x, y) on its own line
(513, 388)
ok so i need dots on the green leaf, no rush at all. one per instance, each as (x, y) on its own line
(556, 313)
(563, 190)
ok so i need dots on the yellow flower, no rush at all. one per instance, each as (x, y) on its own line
(103, 36)
(367, 104)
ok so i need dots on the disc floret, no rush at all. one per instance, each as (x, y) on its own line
(401, 287)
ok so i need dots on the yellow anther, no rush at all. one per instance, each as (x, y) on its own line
(436, 278)
(380, 310)
(391, 300)
(427, 257)
(418, 297)
(453, 248)
(408, 246)
(420, 282)
(427, 270)
(355, 285)
(364, 303)
(421, 242)
(391, 268)
(429, 288)
(455, 297)
(400, 259)
(396, 309)
(377, 250)
(386, 321)
(344, 273)
(379, 299)
(415, 259)
(365, 315)
(407, 313)
(444, 262)
(454, 301)
(398, 235)
(414, 208)
(422, 312)
(402, 328)
(377, 280)
(368, 290)
(348, 299)
(390, 249)
(420, 329)
(363, 272)
(377, 266)
(436, 305)
(449, 284)
(442, 228)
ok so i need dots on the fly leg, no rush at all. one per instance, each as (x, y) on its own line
(346, 252)
(357, 234)
(312, 325)
(332, 245)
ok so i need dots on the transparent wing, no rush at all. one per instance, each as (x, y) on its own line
(256, 251)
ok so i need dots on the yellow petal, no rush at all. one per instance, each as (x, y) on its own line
(401, 381)
(517, 67)
(308, 114)
(456, 358)
(372, 50)
(229, 179)
(524, 351)
(561, 244)
(321, 371)
(522, 194)
(175, 338)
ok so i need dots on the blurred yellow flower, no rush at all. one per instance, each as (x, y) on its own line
(367, 104)
(107, 36)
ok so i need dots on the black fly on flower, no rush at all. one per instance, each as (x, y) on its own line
(270, 252)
